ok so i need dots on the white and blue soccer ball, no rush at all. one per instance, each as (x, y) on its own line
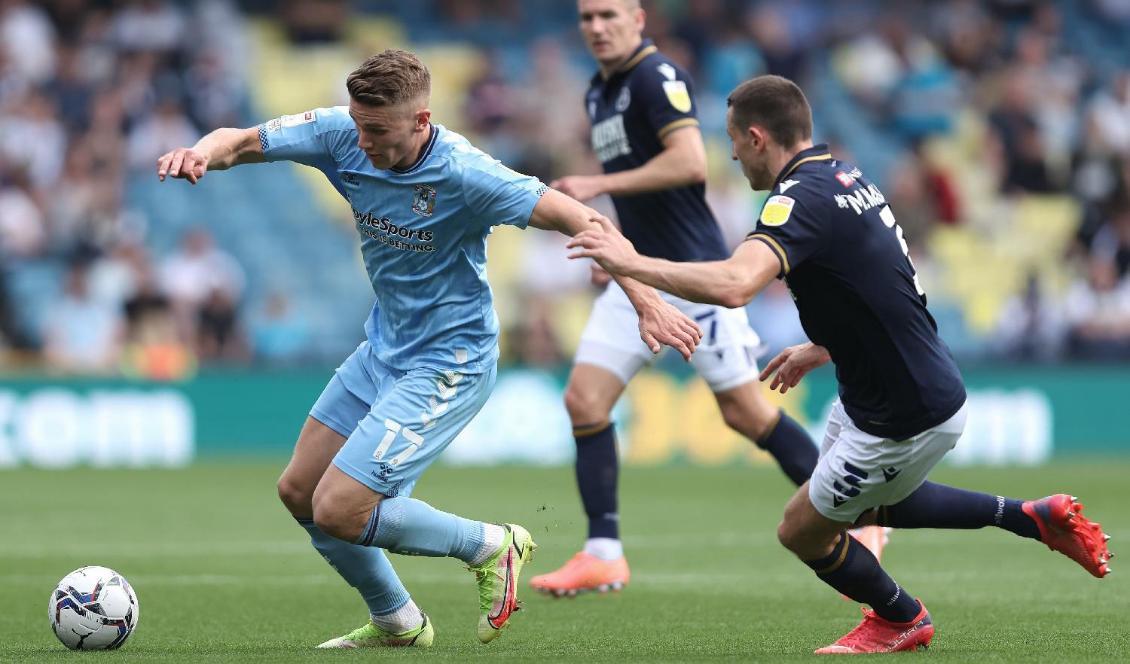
(93, 608)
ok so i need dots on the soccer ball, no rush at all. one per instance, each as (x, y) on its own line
(93, 608)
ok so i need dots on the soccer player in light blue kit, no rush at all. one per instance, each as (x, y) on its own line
(424, 200)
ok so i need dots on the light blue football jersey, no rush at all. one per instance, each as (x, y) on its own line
(423, 234)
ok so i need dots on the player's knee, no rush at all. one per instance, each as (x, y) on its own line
(339, 516)
(296, 496)
(787, 535)
(583, 406)
(749, 416)
(739, 419)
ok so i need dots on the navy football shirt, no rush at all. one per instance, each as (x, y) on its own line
(631, 112)
(845, 260)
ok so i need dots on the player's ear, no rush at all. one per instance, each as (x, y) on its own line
(757, 137)
(423, 116)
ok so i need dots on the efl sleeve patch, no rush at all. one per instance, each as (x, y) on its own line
(298, 119)
(777, 210)
(678, 95)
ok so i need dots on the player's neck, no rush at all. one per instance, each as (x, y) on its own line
(607, 69)
(417, 150)
(782, 156)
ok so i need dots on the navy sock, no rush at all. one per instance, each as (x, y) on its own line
(852, 570)
(792, 448)
(598, 470)
(935, 505)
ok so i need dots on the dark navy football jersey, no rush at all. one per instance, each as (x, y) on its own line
(631, 112)
(845, 260)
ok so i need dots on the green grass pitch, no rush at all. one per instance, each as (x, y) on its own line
(223, 574)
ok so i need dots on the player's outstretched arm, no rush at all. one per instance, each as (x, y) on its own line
(219, 150)
(660, 323)
(681, 163)
(730, 283)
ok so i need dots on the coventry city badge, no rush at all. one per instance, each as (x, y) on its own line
(424, 200)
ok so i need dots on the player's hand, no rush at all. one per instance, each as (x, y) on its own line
(662, 323)
(580, 187)
(599, 276)
(606, 245)
(792, 364)
(182, 163)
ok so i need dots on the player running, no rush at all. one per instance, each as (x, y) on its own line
(645, 133)
(827, 230)
(424, 200)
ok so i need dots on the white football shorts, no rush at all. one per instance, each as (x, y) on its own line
(726, 356)
(858, 471)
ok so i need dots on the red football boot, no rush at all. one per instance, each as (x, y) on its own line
(1064, 528)
(875, 634)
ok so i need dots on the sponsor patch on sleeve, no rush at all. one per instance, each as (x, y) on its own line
(777, 210)
(845, 179)
(678, 95)
(298, 119)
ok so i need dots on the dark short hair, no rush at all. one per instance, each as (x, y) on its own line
(389, 78)
(775, 103)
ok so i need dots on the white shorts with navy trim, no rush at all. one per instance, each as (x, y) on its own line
(726, 357)
(858, 471)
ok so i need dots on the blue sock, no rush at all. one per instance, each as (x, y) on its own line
(792, 448)
(367, 570)
(935, 505)
(413, 527)
(598, 470)
(852, 570)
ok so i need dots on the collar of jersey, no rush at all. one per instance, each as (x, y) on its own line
(817, 152)
(423, 155)
(645, 49)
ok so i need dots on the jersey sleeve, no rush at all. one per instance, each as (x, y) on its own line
(666, 95)
(791, 227)
(314, 138)
(498, 195)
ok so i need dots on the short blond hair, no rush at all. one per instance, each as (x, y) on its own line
(389, 78)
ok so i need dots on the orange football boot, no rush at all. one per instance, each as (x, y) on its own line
(583, 573)
(1064, 528)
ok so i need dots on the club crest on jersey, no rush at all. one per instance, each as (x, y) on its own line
(777, 210)
(424, 200)
(678, 95)
(624, 100)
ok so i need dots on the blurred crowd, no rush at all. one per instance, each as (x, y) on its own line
(91, 93)
(959, 109)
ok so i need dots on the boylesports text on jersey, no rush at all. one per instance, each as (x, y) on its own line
(609, 139)
(384, 231)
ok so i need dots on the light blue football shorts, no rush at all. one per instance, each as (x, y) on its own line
(396, 422)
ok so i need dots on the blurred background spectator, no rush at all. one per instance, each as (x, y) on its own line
(999, 131)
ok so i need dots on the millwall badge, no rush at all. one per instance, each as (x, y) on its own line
(678, 95)
(424, 200)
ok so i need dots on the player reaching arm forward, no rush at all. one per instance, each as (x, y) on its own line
(424, 200)
(642, 109)
(828, 231)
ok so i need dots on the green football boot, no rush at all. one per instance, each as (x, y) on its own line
(497, 577)
(371, 636)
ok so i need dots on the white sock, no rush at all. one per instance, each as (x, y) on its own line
(604, 548)
(493, 534)
(401, 620)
